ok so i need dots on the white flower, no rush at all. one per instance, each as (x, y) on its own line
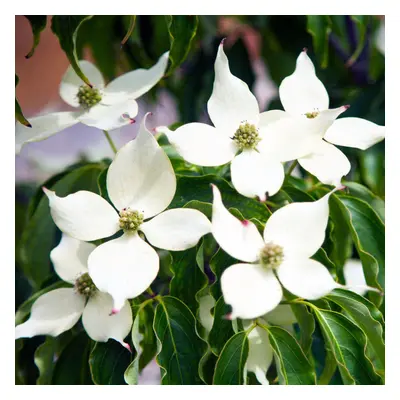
(141, 184)
(260, 354)
(291, 236)
(354, 276)
(308, 117)
(105, 107)
(234, 111)
(59, 310)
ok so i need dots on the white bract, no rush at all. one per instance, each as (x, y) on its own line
(309, 118)
(238, 126)
(141, 184)
(292, 235)
(260, 354)
(103, 106)
(59, 310)
(354, 276)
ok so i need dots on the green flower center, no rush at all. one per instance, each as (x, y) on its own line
(130, 220)
(311, 115)
(84, 285)
(246, 137)
(271, 256)
(88, 97)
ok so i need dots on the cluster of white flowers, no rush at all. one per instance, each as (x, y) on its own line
(141, 184)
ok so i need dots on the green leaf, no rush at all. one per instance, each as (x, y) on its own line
(44, 360)
(306, 322)
(362, 23)
(364, 314)
(66, 28)
(131, 374)
(180, 348)
(231, 362)
(292, 364)
(38, 23)
(218, 264)
(319, 27)
(368, 233)
(40, 234)
(372, 168)
(182, 30)
(347, 343)
(221, 330)
(72, 367)
(18, 111)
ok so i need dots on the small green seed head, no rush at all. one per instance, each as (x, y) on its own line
(84, 285)
(130, 220)
(88, 97)
(246, 137)
(271, 256)
(311, 115)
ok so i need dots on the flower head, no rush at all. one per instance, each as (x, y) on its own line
(141, 184)
(103, 106)
(59, 310)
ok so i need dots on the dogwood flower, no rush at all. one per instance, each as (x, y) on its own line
(292, 235)
(59, 310)
(354, 276)
(141, 184)
(238, 126)
(308, 116)
(103, 106)
(260, 354)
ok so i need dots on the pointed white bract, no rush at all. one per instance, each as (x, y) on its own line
(106, 107)
(141, 184)
(59, 310)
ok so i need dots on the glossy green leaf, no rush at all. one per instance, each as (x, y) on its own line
(19, 116)
(319, 27)
(207, 367)
(364, 314)
(218, 264)
(347, 342)
(231, 362)
(40, 234)
(72, 367)
(38, 24)
(180, 348)
(372, 168)
(292, 364)
(108, 362)
(182, 30)
(131, 374)
(66, 28)
(221, 330)
(44, 360)
(306, 322)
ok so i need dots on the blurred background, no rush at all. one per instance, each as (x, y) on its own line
(348, 52)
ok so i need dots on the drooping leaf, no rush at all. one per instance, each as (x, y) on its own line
(182, 30)
(319, 27)
(362, 22)
(18, 111)
(66, 28)
(306, 322)
(180, 348)
(44, 360)
(38, 24)
(231, 362)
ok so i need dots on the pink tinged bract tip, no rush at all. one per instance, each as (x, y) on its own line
(245, 222)
(127, 346)
(305, 49)
(222, 41)
(347, 106)
(228, 317)
(114, 311)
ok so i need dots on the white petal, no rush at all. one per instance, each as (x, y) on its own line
(254, 174)
(53, 313)
(240, 239)
(135, 83)
(71, 82)
(201, 144)
(83, 215)
(101, 325)
(306, 278)
(43, 127)
(109, 117)
(299, 227)
(124, 268)
(206, 303)
(268, 117)
(231, 101)
(281, 315)
(250, 289)
(141, 176)
(355, 132)
(302, 91)
(327, 163)
(70, 257)
(354, 277)
(177, 229)
(380, 38)
(260, 354)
